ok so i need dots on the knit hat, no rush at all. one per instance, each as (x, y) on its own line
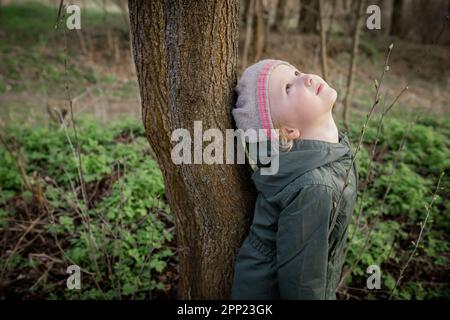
(252, 109)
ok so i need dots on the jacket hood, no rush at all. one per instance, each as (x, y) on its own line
(305, 155)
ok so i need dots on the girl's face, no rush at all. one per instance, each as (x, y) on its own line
(299, 100)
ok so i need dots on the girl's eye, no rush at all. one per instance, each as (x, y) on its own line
(287, 87)
(297, 73)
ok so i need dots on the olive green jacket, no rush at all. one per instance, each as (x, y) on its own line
(295, 247)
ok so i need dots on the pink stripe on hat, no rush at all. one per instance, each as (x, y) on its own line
(262, 98)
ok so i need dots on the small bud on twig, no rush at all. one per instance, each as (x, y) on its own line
(386, 68)
(391, 46)
(376, 84)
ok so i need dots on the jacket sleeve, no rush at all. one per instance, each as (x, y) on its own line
(302, 244)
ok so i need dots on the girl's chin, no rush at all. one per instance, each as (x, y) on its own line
(329, 95)
(333, 95)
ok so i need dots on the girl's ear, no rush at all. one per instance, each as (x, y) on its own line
(291, 133)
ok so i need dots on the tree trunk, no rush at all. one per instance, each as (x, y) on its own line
(331, 21)
(261, 25)
(397, 18)
(309, 15)
(386, 7)
(279, 16)
(256, 33)
(243, 12)
(352, 68)
(323, 42)
(185, 54)
(248, 32)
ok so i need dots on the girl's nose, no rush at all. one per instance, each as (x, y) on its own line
(308, 80)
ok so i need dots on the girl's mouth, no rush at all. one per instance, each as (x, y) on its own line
(319, 89)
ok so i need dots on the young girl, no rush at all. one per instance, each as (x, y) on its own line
(295, 247)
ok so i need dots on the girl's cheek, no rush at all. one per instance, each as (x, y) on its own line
(307, 104)
(299, 93)
(300, 99)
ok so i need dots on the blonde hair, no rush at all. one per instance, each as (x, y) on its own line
(285, 142)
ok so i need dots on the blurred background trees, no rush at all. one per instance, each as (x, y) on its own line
(121, 233)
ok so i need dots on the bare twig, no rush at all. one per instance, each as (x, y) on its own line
(91, 239)
(372, 157)
(383, 201)
(377, 86)
(59, 16)
(361, 137)
(419, 238)
(16, 246)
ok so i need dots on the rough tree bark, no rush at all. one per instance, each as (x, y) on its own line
(185, 54)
